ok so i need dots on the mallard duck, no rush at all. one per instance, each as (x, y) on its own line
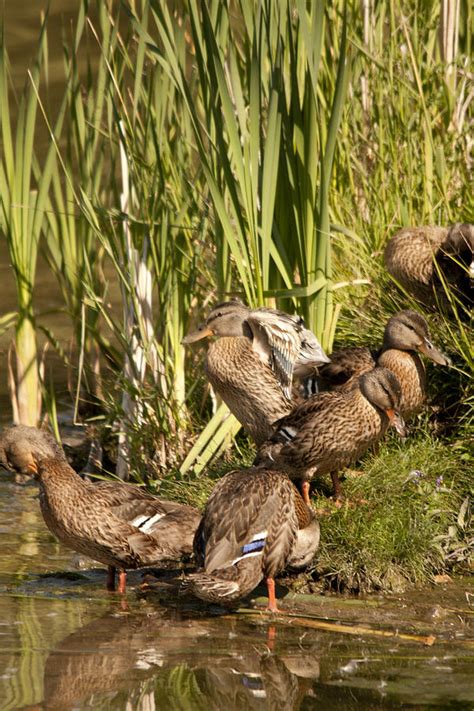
(331, 430)
(254, 525)
(251, 364)
(421, 258)
(406, 334)
(112, 522)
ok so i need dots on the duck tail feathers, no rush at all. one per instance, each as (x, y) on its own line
(212, 588)
(225, 586)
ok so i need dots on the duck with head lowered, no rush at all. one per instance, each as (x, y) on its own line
(333, 429)
(114, 523)
(252, 362)
(406, 336)
(254, 525)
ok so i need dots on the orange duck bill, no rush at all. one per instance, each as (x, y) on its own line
(396, 420)
(201, 332)
(431, 352)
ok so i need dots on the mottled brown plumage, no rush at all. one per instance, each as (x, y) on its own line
(247, 386)
(254, 525)
(406, 335)
(415, 256)
(331, 430)
(251, 365)
(111, 522)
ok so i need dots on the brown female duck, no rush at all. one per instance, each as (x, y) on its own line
(255, 524)
(331, 430)
(406, 334)
(112, 522)
(251, 364)
(422, 258)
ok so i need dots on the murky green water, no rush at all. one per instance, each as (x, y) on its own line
(65, 643)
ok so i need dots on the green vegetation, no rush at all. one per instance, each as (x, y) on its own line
(406, 518)
(266, 150)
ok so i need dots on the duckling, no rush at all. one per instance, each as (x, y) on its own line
(111, 522)
(252, 363)
(421, 258)
(406, 334)
(331, 430)
(254, 525)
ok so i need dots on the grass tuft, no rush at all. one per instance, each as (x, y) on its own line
(405, 519)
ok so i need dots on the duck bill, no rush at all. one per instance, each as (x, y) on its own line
(32, 468)
(320, 357)
(396, 420)
(202, 332)
(431, 352)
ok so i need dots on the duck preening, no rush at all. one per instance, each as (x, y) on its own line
(254, 525)
(114, 523)
(406, 336)
(331, 430)
(430, 261)
(252, 362)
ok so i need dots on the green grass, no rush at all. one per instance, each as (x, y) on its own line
(406, 516)
(412, 521)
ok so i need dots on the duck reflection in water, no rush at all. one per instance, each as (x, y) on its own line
(151, 662)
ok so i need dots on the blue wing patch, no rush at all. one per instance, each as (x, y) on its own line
(253, 546)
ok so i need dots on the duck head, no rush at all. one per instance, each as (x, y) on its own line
(226, 319)
(381, 388)
(22, 448)
(408, 331)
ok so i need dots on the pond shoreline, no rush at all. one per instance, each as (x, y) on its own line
(61, 623)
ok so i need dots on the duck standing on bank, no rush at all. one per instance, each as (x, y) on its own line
(252, 362)
(254, 525)
(331, 430)
(114, 523)
(406, 335)
(427, 259)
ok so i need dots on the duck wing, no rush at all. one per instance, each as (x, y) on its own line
(250, 514)
(171, 523)
(144, 540)
(345, 367)
(296, 439)
(311, 355)
(277, 340)
(126, 498)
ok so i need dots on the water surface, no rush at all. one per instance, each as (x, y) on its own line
(65, 643)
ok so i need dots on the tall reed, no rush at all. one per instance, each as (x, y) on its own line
(265, 142)
(22, 208)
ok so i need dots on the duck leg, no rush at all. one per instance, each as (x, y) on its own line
(111, 578)
(122, 581)
(272, 603)
(337, 486)
(305, 492)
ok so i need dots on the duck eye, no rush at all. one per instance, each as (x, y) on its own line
(219, 314)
